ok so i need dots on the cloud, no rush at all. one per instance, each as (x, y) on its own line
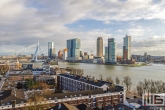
(26, 22)
(119, 30)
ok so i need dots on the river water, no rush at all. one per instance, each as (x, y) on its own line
(154, 72)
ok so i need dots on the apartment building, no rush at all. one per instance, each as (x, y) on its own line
(19, 75)
(45, 79)
(92, 98)
(76, 83)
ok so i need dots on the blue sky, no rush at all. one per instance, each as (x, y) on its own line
(23, 23)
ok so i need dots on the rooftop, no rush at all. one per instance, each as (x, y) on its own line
(87, 80)
(8, 95)
(15, 73)
(83, 93)
(63, 106)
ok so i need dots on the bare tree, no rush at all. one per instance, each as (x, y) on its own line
(127, 82)
(117, 80)
(101, 77)
(109, 79)
(139, 88)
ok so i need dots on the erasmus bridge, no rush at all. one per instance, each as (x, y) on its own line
(34, 58)
(36, 53)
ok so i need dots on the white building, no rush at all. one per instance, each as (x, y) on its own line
(46, 67)
(65, 54)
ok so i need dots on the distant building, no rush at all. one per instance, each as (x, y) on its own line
(65, 54)
(127, 48)
(73, 46)
(45, 79)
(46, 68)
(60, 54)
(85, 53)
(110, 51)
(27, 66)
(81, 54)
(51, 49)
(99, 47)
(14, 65)
(106, 54)
(19, 75)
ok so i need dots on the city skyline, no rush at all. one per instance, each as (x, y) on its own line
(99, 48)
(26, 22)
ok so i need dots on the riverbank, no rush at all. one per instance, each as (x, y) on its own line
(127, 65)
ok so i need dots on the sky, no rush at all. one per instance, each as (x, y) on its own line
(24, 22)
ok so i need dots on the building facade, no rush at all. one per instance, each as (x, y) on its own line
(92, 98)
(73, 46)
(51, 49)
(65, 54)
(60, 55)
(99, 47)
(127, 48)
(19, 75)
(106, 54)
(110, 51)
(46, 68)
(79, 83)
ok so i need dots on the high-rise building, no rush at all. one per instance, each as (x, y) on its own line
(111, 51)
(127, 48)
(51, 49)
(73, 46)
(106, 54)
(99, 47)
(59, 54)
(65, 54)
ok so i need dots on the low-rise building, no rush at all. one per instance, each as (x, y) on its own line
(92, 98)
(36, 71)
(75, 83)
(12, 97)
(45, 79)
(46, 67)
(19, 75)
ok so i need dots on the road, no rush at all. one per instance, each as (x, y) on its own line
(2, 82)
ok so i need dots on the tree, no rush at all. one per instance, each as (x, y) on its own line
(139, 88)
(127, 82)
(101, 77)
(117, 81)
(109, 79)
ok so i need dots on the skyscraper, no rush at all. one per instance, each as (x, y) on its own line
(111, 51)
(60, 54)
(127, 48)
(65, 54)
(51, 49)
(99, 47)
(73, 46)
(106, 54)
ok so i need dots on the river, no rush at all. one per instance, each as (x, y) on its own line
(154, 72)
